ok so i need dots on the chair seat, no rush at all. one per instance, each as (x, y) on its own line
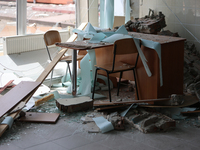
(69, 58)
(119, 66)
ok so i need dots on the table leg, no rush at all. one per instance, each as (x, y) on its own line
(74, 74)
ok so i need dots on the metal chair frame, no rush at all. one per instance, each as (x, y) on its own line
(50, 38)
(121, 71)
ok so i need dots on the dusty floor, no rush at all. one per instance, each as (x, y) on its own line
(69, 133)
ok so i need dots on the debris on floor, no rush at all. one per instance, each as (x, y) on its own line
(75, 104)
(148, 121)
(148, 116)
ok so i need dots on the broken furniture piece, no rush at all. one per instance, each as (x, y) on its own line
(40, 117)
(44, 99)
(16, 95)
(121, 47)
(50, 38)
(74, 104)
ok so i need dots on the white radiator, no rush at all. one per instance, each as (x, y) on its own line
(25, 43)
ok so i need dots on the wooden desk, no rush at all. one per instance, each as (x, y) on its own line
(172, 53)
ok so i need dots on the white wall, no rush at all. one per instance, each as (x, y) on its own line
(188, 11)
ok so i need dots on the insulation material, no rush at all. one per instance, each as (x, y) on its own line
(103, 124)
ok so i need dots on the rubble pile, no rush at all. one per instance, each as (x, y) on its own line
(191, 67)
(149, 24)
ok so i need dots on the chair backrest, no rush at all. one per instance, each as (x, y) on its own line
(51, 37)
(125, 46)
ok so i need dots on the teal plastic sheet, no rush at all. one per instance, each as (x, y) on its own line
(114, 37)
(143, 58)
(85, 85)
(106, 13)
(89, 32)
(128, 11)
(157, 47)
(102, 4)
(122, 30)
(97, 38)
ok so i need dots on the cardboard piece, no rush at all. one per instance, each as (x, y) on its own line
(40, 117)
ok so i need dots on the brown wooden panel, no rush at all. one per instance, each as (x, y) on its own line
(172, 64)
(147, 86)
(15, 95)
(40, 117)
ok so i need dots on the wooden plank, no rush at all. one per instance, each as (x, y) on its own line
(129, 102)
(188, 100)
(4, 127)
(191, 112)
(15, 95)
(44, 99)
(40, 117)
(42, 77)
(112, 107)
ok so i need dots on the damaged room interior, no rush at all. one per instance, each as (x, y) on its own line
(99, 74)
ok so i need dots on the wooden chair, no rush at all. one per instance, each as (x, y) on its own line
(121, 47)
(50, 38)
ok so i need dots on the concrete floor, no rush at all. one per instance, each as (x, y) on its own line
(69, 134)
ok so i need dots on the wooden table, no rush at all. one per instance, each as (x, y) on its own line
(79, 45)
(172, 53)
